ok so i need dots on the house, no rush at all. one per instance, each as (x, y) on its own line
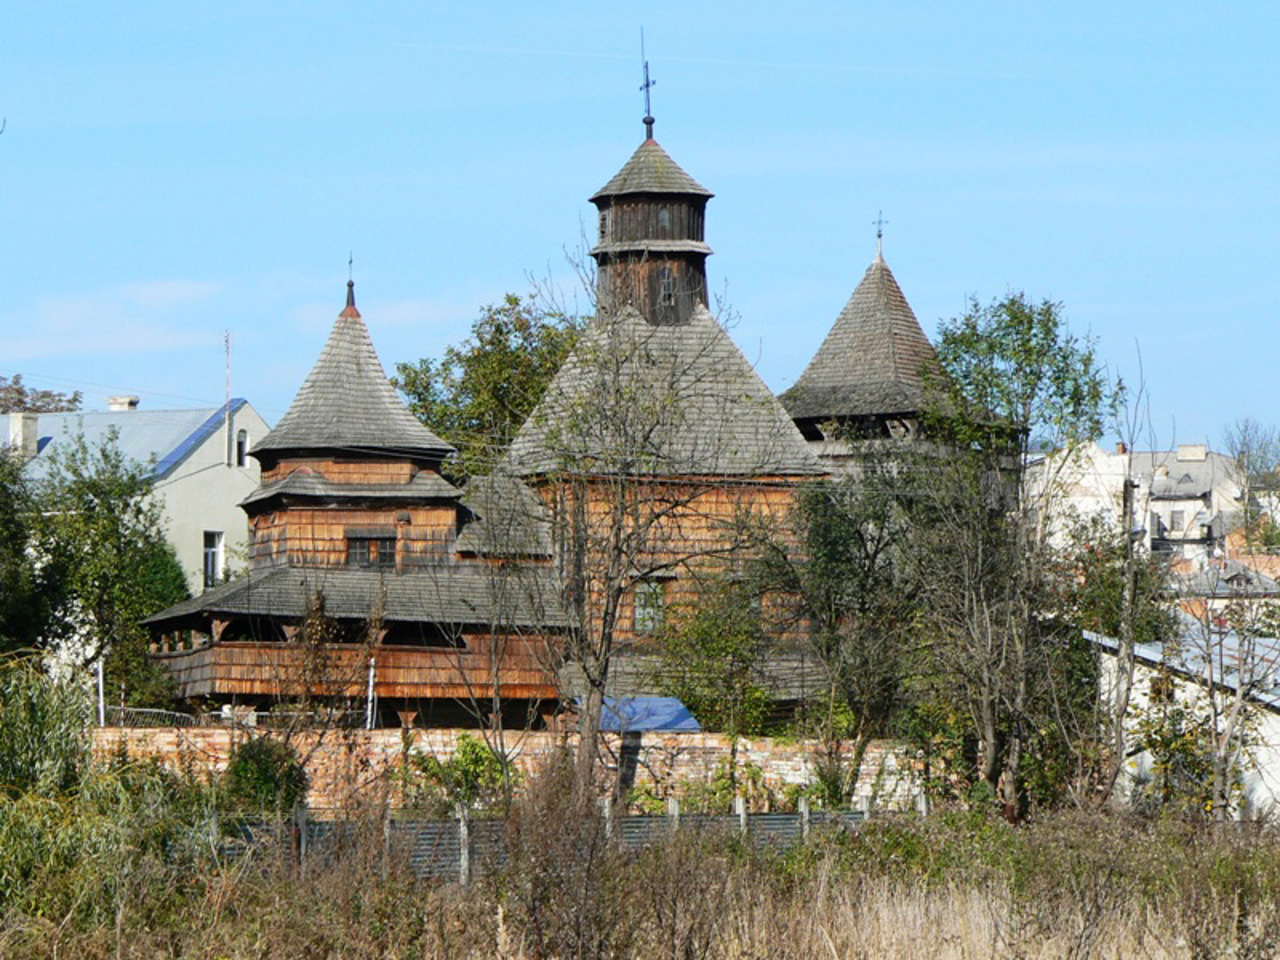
(198, 461)
(1210, 687)
(867, 380)
(410, 597)
(1182, 503)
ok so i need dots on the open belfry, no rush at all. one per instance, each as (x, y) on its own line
(653, 456)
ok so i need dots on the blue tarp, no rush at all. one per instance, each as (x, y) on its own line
(637, 714)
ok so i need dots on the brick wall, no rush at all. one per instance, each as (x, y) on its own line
(348, 766)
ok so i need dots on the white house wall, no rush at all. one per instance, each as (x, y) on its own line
(1259, 768)
(203, 492)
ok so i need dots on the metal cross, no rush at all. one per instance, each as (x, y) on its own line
(879, 222)
(646, 87)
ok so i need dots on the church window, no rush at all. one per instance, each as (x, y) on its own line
(667, 287)
(242, 447)
(648, 606)
(371, 551)
(664, 219)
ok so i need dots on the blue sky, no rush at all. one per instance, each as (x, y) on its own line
(173, 171)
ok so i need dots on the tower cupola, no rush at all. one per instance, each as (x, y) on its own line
(651, 254)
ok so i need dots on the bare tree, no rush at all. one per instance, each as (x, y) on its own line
(1255, 448)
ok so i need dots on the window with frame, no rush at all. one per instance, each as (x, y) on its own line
(648, 606)
(213, 543)
(666, 287)
(371, 551)
(1177, 520)
(242, 448)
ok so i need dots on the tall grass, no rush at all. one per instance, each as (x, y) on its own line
(127, 860)
(129, 866)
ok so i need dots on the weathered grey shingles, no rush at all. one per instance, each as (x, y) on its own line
(639, 399)
(651, 170)
(508, 519)
(872, 360)
(348, 403)
(450, 593)
(426, 486)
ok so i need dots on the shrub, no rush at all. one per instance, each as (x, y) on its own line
(264, 775)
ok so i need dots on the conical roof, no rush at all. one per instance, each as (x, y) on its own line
(872, 361)
(651, 170)
(643, 400)
(347, 403)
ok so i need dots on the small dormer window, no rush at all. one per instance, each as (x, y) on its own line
(242, 448)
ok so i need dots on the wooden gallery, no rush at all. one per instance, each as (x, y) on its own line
(376, 584)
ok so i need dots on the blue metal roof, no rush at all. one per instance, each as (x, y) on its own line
(639, 714)
(162, 437)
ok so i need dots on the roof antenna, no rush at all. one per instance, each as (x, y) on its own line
(646, 86)
(879, 222)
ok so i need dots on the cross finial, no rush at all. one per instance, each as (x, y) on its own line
(646, 87)
(351, 259)
(879, 222)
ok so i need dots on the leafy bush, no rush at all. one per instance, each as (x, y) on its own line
(264, 775)
(43, 747)
(473, 776)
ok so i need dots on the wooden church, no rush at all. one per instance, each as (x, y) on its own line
(655, 447)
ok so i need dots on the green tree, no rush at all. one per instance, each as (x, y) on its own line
(17, 397)
(481, 391)
(1011, 379)
(711, 658)
(264, 775)
(104, 559)
(24, 606)
(847, 582)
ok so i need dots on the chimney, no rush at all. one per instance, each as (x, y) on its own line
(1121, 447)
(1192, 452)
(24, 434)
(123, 401)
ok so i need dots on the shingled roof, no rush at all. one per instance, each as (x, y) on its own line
(347, 403)
(871, 362)
(638, 399)
(651, 170)
(454, 594)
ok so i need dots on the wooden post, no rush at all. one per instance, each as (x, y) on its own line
(300, 836)
(673, 812)
(740, 808)
(803, 806)
(464, 845)
(386, 840)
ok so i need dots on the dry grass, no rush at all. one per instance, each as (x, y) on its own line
(112, 873)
